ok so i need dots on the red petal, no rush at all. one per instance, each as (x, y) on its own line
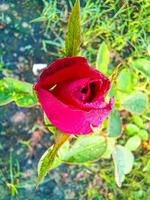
(69, 120)
(70, 93)
(67, 69)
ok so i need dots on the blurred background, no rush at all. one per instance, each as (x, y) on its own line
(32, 32)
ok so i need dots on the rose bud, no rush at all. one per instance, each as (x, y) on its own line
(72, 94)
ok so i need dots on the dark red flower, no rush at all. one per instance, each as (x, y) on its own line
(72, 94)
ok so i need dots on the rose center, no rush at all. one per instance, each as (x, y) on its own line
(84, 90)
(89, 92)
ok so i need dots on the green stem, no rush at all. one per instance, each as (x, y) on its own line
(116, 72)
(56, 147)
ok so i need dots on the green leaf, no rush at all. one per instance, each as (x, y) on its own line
(123, 161)
(18, 91)
(112, 91)
(125, 81)
(102, 60)
(147, 167)
(143, 134)
(42, 164)
(5, 96)
(25, 100)
(110, 147)
(49, 125)
(138, 121)
(133, 143)
(58, 159)
(143, 65)
(52, 158)
(39, 19)
(132, 129)
(73, 36)
(86, 149)
(115, 124)
(136, 103)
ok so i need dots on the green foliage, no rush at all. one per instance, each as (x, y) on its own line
(138, 121)
(102, 60)
(18, 91)
(73, 37)
(86, 149)
(125, 81)
(143, 134)
(115, 124)
(47, 162)
(136, 103)
(132, 129)
(133, 143)
(143, 65)
(147, 167)
(49, 13)
(14, 174)
(1, 63)
(48, 124)
(83, 150)
(123, 161)
(93, 193)
(110, 147)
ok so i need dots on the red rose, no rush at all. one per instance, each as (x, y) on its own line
(72, 94)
